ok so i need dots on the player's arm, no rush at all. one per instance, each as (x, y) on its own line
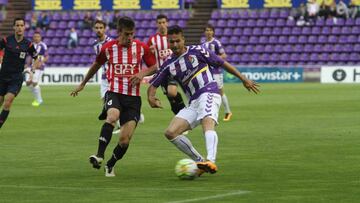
(91, 72)
(34, 55)
(248, 84)
(154, 102)
(155, 82)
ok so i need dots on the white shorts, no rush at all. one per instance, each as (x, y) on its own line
(104, 86)
(219, 78)
(36, 76)
(208, 104)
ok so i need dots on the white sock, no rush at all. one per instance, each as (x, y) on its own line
(211, 140)
(226, 103)
(37, 93)
(184, 145)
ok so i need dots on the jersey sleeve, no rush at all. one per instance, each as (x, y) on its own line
(160, 76)
(211, 58)
(32, 51)
(220, 48)
(148, 57)
(101, 57)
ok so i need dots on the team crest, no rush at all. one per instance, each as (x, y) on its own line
(22, 55)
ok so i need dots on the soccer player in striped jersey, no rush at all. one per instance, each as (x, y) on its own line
(158, 43)
(32, 74)
(124, 57)
(215, 46)
(15, 48)
(189, 65)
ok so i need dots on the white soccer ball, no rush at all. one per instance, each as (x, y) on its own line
(186, 169)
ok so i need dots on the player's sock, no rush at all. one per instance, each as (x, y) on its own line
(211, 140)
(3, 116)
(103, 114)
(104, 139)
(37, 93)
(184, 145)
(177, 103)
(118, 153)
(226, 103)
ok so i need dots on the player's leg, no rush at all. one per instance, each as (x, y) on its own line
(36, 88)
(8, 100)
(183, 121)
(208, 114)
(10, 90)
(220, 82)
(128, 119)
(174, 97)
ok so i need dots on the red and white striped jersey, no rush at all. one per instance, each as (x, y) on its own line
(123, 63)
(162, 49)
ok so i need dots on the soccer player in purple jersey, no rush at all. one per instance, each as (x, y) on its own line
(215, 46)
(189, 65)
(33, 74)
(15, 47)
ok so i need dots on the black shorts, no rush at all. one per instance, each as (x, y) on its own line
(11, 85)
(129, 106)
(166, 83)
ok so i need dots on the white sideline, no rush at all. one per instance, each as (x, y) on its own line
(239, 192)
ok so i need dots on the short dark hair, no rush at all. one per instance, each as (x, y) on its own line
(37, 32)
(17, 19)
(210, 26)
(161, 16)
(175, 29)
(125, 22)
(100, 22)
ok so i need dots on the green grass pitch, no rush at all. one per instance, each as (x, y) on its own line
(292, 143)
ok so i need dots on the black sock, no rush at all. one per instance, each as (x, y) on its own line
(104, 139)
(103, 114)
(3, 116)
(118, 153)
(176, 103)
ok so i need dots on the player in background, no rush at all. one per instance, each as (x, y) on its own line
(1, 57)
(15, 47)
(32, 74)
(124, 57)
(158, 44)
(215, 46)
(189, 65)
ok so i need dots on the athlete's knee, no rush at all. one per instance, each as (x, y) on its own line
(124, 139)
(170, 134)
(35, 84)
(7, 103)
(172, 91)
(28, 83)
(112, 116)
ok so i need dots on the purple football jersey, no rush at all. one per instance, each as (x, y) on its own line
(41, 49)
(215, 46)
(191, 70)
(97, 47)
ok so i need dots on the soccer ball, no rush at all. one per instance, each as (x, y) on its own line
(186, 169)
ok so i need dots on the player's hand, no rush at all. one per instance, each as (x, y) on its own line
(154, 102)
(137, 78)
(75, 92)
(251, 86)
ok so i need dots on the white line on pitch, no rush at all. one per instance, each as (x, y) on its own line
(239, 192)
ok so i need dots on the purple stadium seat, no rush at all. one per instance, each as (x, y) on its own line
(280, 23)
(253, 14)
(355, 30)
(296, 31)
(315, 30)
(71, 24)
(64, 41)
(224, 40)
(312, 39)
(343, 39)
(247, 31)
(304, 57)
(241, 23)
(78, 50)
(237, 31)
(260, 23)
(269, 48)
(290, 23)
(230, 49)
(336, 30)
(350, 22)
(329, 22)
(302, 39)
(264, 14)
(254, 40)
(284, 57)
(347, 48)
(293, 40)
(284, 13)
(215, 14)
(308, 48)
(57, 59)
(249, 48)
(267, 31)
(356, 48)
(224, 14)
(235, 58)
(272, 40)
(332, 39)
(265, 58)
(244, 40)
(257, 31)
(86, 33)
(244, 14)
(274, 57)
(227, 32)
(345, 30)
(354, 57)
(263, 40)
(59, 33)
(314, 57)
(255, 58)
(276, 31)
(306, 31)
(327, 48)
(113, 32)
(287, 48)
(294, 57)
(274, 13)
(221, 23)
(337, 48)
(53, 25)
(83, 42)
(351, 39)
(139, 16)
(340, 22)
(270, 22)
(326, 30)
(234, 15)
(344, 57)
(259, 49)
(318, 48)
(231, 23)
(241, 49)
(283, 39)
(66, 59)
(182, 23)
(286, 31)
(299, 48)
(322, 39)
(251, 23)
